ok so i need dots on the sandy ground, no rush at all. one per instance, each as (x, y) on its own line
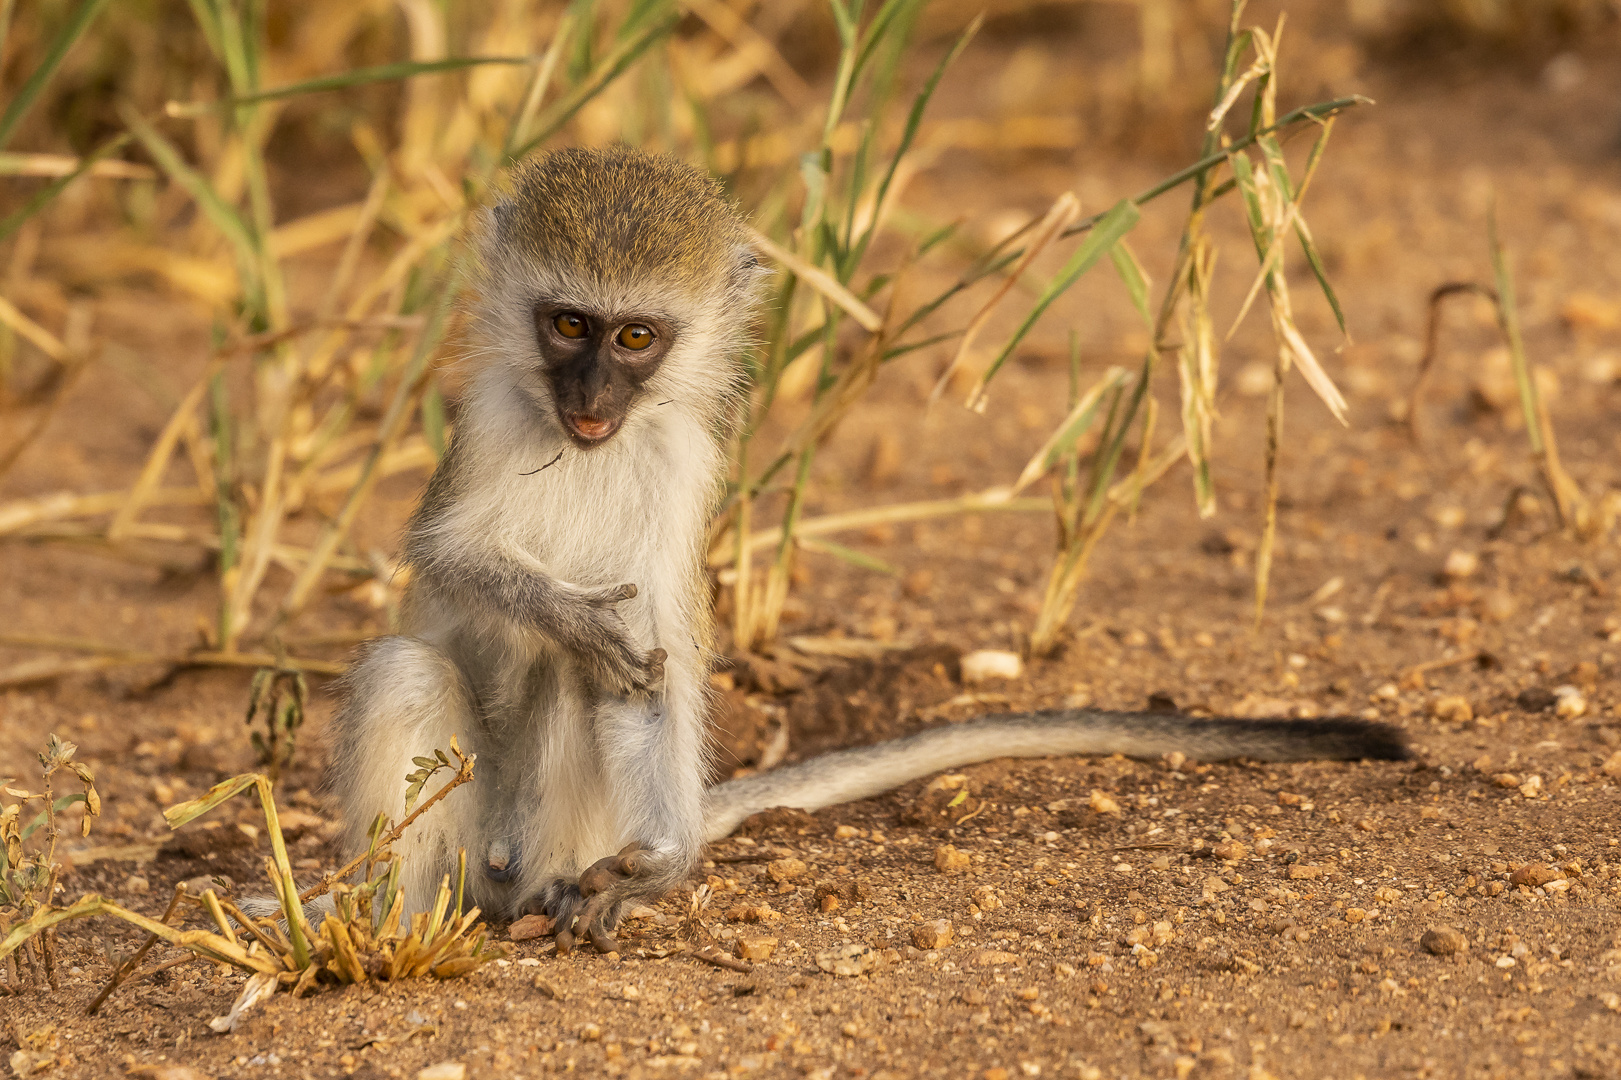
(1075, 918)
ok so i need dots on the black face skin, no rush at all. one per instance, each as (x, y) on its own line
(594, 368)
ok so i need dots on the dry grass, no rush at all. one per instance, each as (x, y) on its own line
(302, 408)
(367, 938)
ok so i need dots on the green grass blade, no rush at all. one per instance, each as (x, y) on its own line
(433, 419)
(224, 216)
(1244, 174)
(902, 350)
(44, 195)
(1077, 423)
(206, 13)
(344, 80)
(1136, 279)
(539, 82)
(71, 31)
(914, 120)
(1508, 315)
(894, 15)
(1303, 231)
(609, 68)
(937, 237)
(192, 809)
(1320, 272)
(1320, 111)
(1113, 442)
(1114, 225)
(849, 555)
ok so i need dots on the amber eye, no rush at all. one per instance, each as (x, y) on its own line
(571, 325)
(635, 337)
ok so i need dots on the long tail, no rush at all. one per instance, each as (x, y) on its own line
(847, 775)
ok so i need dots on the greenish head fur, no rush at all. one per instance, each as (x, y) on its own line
(621, 215)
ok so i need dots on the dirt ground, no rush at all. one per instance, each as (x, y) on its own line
(1111, 917)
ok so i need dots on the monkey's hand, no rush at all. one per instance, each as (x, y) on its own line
(604, 887)
(602, 642)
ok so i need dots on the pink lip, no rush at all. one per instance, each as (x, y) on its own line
(591, 428)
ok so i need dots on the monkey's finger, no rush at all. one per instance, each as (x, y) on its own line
(596, 923)
(565, 942)
(657, 657)
(623, 592)
(596, 878)
(602, 939)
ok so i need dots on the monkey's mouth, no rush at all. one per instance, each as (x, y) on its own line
(590, 429)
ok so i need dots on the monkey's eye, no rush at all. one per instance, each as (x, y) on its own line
(571, 325)
(635, 337)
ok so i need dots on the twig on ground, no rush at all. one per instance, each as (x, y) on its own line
(711, 954)
(122, 971)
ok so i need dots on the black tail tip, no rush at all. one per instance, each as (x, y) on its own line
(1362, 739)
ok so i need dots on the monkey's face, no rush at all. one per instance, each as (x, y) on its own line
(597, 365)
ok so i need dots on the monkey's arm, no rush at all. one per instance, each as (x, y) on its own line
(508, 583)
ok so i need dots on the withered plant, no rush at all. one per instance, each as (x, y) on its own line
(28, 875)
(366, 937)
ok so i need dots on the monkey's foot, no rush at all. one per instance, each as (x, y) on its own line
(604, 887)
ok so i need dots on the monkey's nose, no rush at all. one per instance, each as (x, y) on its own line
(591, 428)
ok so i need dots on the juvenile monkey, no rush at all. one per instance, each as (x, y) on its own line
(557, 618)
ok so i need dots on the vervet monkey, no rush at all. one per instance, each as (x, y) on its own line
(557, 618)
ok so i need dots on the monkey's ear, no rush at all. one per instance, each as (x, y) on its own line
(749, 271)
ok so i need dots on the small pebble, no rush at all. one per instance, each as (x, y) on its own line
(1569, 703)
(1534, 875)
(847, 961)
(445, 1070)
(983, 665)
(781, 870)
(137, 885)
(1102, 804)
(935, 934)
(948, 860)
(1443, 941)
(756, 948)
(1452, 707)
(530, 927)
(1461, 564)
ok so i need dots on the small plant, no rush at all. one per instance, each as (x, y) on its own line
(1575, 510)
(365, 938)
(278, 695)
(28, 879)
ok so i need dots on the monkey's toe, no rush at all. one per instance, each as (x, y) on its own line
(603, 888)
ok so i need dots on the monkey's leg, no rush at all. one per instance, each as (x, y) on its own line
(405, 699)
(653, 757)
